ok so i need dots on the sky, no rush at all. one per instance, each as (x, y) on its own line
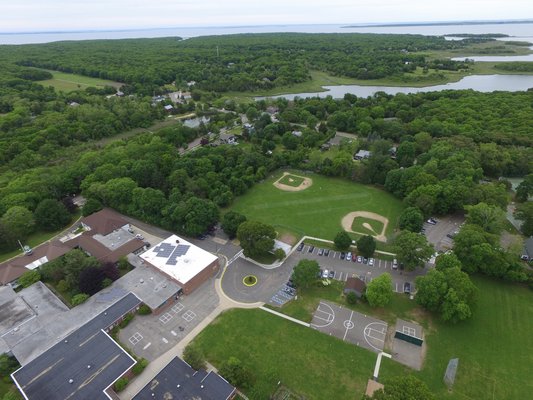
(69, 15)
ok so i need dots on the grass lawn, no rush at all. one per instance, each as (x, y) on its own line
(306, 361)
(357, 225)
(37, 238)
(70, 82)
(291, 180)
(494, 347)
(316, 211)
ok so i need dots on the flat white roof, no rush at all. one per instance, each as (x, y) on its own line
(178, 258)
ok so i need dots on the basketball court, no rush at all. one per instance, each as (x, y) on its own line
(350, 326)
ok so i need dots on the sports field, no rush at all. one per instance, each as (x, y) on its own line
(317, 210)
(69, 82)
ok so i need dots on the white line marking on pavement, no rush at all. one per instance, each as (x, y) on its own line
(348, 326)
(165, 340)
(147, 345)
(174, 333)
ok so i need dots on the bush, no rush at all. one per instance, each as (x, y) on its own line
(194, 357)
(125, 321)
(121, 384)
(140, 366)
(79, 299)
(29, 278)
(280, 254)
(106, 282)
(123, 263)
(236, 373)
(351, 298)
(63, 286)
(144, 310)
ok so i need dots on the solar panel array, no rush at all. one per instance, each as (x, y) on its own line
(171, 252)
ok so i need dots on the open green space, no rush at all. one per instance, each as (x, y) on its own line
(70, 82)
(308, 362)
(291, 180)
(359, 222)
(494, 347)
(316, 211)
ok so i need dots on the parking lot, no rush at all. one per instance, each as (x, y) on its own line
(350, 326)
(438, 234)
(342, 269)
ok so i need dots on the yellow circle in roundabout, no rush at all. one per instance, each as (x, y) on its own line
(249, 280)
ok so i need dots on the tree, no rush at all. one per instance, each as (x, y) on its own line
(8, 365)
(489, 217)
(29, 278)
(411, 219)
(236, 373)
(524, 213)
(525, 188)
(406, 154)
(379, 290)
(445, 261)
(256, 238)
(195, 216)
(305, 273)
(51, 215)
(8, 241)
(366, 246)
(279, 254)
(91, 206)
(412, 250)
(449, 292)
(351, 298)
(342, 240)
(111, 271)
(19, 221)
(403, 388)
(194, 357)
(231, 221)
(90, 280)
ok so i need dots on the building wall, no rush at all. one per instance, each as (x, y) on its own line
(201, 277)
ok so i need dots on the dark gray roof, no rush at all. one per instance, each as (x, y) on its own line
(179, 380)
(528, 246)
(47, 376)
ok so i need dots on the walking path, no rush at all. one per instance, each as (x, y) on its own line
(225, 303)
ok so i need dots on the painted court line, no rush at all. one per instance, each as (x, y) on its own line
(147, 345)
(348, 324)
(174, 333)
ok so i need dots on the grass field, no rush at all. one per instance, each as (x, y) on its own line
(69, 82)
(291, 180)
(357, 225)
(307, 361)
(494, 347)
(318, 210)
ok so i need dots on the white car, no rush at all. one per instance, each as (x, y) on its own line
(395, 264)
(371, 261)
(325, 274)
(139, 236)
(348, 256)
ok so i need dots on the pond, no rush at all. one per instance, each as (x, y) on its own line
(481, 83)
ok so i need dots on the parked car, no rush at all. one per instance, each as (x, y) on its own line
(300, 246)
(147, 245)
(395, 264)
(139, 236)
(407, 287)
(343, 255)
(371, 261)
(291, 284)
(320, 252)
(319, 274)
(331, 274)
(348, 256)
(365, 260)
(431, 221)
(354, 256)
(326, 253)
(325, 274)
(359, 259)
(311, 249)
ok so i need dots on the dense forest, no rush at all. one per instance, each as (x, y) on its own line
(235, 62)
(441, 152)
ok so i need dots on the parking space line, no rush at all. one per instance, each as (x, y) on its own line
(334, 254)
(147, 345)
(164, 340)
